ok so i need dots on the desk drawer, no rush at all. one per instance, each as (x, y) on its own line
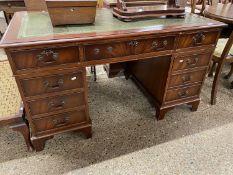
(103, 51)
(56, 103)
(197, 39)
(152, 44)
(182, 93)
(131, 47)
(54, 83)
(187, 78)
(44, 57)
(191, 61)
(60, 121)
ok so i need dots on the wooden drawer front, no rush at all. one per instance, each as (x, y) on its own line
(187, 78)
(152, 45)
(191, 61)
(59, 121)
(48, 84)
(197, 39)
(103, 51)
(182, 93)
(28, 59)
(120, 49)
(50, 104)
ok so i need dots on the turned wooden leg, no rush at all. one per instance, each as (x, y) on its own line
(93, 70)
(160, 113)
(39, 144)
(212, 69)
(194, 105)
(215, 83)
(230, 73)
(24, 130)
(95, 77)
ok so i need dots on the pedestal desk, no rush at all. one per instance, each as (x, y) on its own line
(168, 58)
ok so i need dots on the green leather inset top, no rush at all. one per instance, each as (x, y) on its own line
(38, 24)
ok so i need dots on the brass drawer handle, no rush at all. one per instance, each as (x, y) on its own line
(96, 51)
(61, 122)
(60, 105)
(192, 63)
(58, 85)
(47, 53)
(109, 49)
(183, 94)
(198, 38)
(186, 78)
(155, 45)
(133, 43)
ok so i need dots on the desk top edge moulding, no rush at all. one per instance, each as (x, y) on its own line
(36, 28)
(49, 64)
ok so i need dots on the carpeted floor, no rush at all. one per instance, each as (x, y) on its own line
(128, 140)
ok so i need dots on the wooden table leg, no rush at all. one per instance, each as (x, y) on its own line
(160, 112)
(219, 69)
(194, 105)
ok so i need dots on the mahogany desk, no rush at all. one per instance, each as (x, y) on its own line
(167, 57)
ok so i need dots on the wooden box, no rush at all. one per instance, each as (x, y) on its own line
(71, 11)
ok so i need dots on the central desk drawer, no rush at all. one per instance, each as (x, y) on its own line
(54, 83)
(182, 93)
(187, 78)
(131, 47)
(191, 61)
(44, 57)
(198, 39)
(56, 103)
(59, 121)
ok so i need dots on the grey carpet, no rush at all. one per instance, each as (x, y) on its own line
(128, 140)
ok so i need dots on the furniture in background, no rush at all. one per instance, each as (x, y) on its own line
(109, 3)
(200, 6)
(222, 44)
(63, 12)
(220, 12)
(9, 7)
(99, 3)
(35, 5)
(49, 67)
(17, 123)
(223, 13)
(128, 13)
(133, 3)
(12, 114)
(223, 54)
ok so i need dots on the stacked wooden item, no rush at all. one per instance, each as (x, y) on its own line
(64, 12)
(124, 10)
